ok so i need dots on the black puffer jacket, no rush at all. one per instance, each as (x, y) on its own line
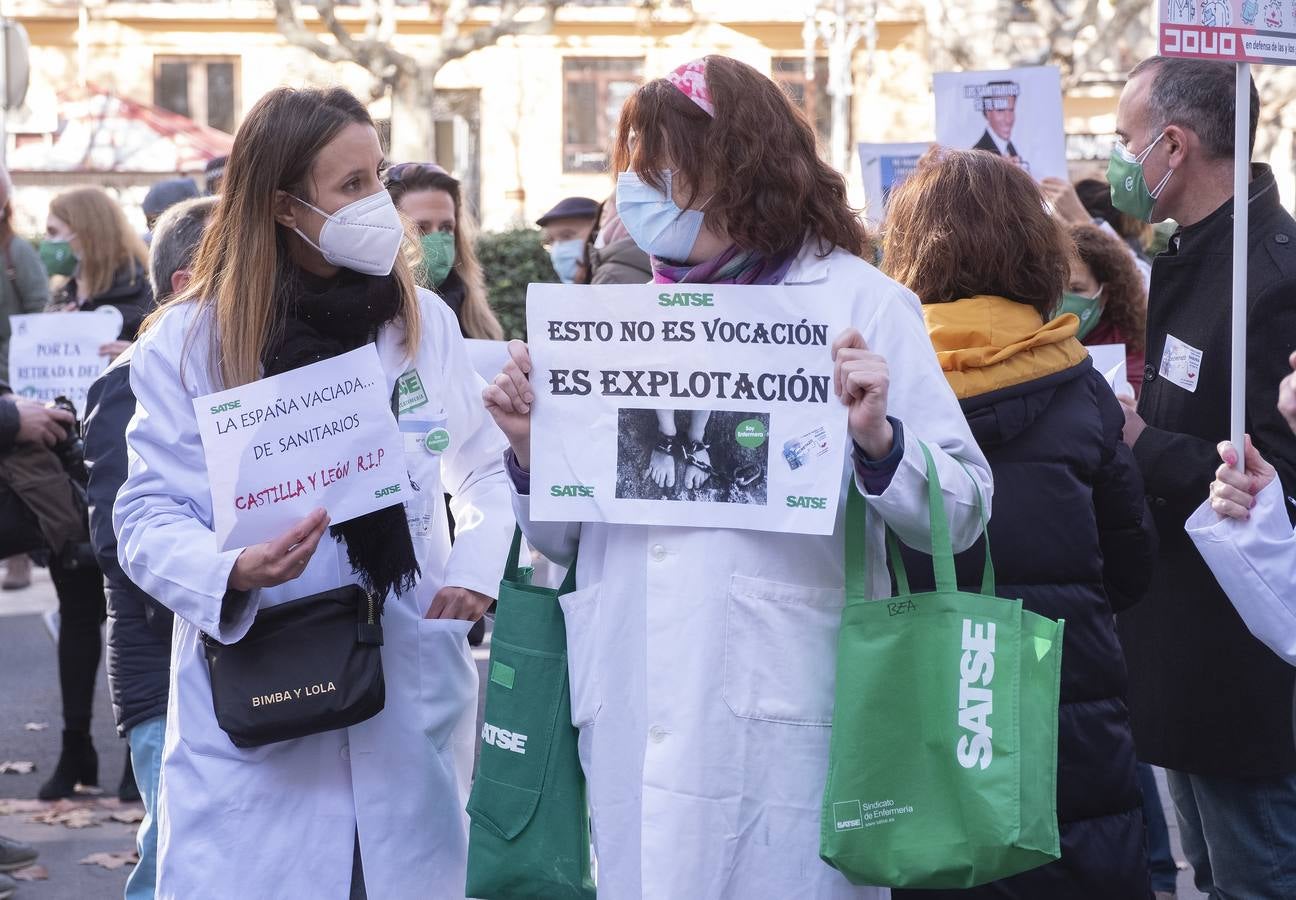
(139, 628)
(1072, 538)
(129, 293)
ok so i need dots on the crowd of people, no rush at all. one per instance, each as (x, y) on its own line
(1118, 510)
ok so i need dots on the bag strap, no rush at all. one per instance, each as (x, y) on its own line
(512, 576)
(857, 512)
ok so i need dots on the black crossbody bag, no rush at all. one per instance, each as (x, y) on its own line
(304, 667)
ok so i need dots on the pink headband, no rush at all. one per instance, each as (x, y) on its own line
(690, 78)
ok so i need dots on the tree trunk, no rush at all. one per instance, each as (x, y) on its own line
(413, 121)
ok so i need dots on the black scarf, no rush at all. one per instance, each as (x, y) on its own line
(320, 318)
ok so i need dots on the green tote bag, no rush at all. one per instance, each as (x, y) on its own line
(943, 756)
(529, 835)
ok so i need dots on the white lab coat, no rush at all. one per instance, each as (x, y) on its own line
(1254, 561)
(702, 660)
(281, 820)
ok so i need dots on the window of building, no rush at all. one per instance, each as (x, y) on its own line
(204, 89)
(593, 92)
(810, 95)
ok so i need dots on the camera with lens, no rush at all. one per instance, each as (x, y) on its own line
(71, 450)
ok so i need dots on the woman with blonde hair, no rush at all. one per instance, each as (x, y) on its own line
(302, 262)
(89, 240)
(429, 197)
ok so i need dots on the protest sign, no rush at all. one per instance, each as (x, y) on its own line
(57, 354)
(743, 370)
(1258, 31)
(1016, 113)
(883, 166)
(319, 436)
(1110, 359)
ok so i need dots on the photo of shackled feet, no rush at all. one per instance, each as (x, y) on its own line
(694, 456)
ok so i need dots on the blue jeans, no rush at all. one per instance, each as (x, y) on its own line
(145, 741)
(1239, 834)
(1161, 864)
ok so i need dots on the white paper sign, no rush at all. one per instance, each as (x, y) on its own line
(319, 436)
(744, 371)
(57, 354)
(883, 167)
(1016, 113)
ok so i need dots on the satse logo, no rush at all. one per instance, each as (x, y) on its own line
(505, 740)
(976, 700)
(570, 490)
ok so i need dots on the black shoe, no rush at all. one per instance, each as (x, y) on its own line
(78, 764)
(15, 855)
(128, 790)
(7, 887)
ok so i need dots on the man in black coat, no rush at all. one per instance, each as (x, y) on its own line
(139, 628)
(1209, 702)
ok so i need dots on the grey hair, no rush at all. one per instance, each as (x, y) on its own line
(1198, 95)
(176, 237)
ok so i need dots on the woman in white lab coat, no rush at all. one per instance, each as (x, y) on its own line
(1244, 532)
(702, 659)
(302, 261)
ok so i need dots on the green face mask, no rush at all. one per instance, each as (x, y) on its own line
(438, 256)
(1087, 309)
(58, 257)
(1129, 190)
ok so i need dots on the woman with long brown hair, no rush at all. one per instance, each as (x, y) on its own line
(429, 197)
(706, 761)
(301, 262)
(1071, 534)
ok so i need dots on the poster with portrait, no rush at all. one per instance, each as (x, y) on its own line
(1016, 113)
(882, 167)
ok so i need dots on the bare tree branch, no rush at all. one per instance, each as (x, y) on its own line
(291, 27)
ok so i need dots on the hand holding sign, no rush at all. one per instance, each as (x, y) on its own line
(281, 560)
(508, 399)
(861, 379)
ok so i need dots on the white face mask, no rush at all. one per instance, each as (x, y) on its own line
(363, 236)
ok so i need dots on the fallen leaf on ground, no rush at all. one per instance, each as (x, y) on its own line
(36, 726)
(11, 807)
(128, 816)
(69, 816)
(111, 860)
(31, 873)
(19, 767)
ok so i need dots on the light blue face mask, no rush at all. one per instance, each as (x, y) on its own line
(567, 257)
(654, 219)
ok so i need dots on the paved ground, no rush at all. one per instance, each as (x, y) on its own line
(29, 676)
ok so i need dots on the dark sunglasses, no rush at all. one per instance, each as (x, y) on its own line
(401, 171)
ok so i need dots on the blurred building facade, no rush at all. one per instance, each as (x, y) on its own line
(523, 122)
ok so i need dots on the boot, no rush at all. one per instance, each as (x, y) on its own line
(17, 573)
(128, 790)
(78, 764)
